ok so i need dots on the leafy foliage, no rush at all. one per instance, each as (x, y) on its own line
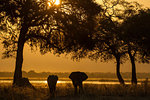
(137, 33)
(50, 28)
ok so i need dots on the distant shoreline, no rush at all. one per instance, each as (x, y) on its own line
(33, 74)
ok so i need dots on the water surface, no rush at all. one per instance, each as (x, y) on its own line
(6, 80)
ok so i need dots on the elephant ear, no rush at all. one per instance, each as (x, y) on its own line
(56, 77)
(72, 76)
(83, 76)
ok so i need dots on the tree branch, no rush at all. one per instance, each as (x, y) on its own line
(43, 38)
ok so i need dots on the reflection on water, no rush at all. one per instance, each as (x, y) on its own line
(63, 82)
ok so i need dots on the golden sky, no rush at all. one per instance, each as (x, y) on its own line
(145, 3)
(51, 63)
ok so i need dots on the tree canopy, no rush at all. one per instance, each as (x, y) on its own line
(56, 28)
(70, 19)
(113, 39)
(137, 33)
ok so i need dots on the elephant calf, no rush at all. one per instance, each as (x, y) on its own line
(77, 78)
(52, 80)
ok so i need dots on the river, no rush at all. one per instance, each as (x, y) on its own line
(9, 80)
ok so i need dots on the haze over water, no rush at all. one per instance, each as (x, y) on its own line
(111, 81)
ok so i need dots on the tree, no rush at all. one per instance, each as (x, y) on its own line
(107, 44)
(110, 41)
(136, 34)
(128, 9)
(53, 28)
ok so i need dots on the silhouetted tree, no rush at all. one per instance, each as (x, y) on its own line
(136, 33)
(109, 42)
(131, 9)
(55, 28)
(121, 10)
(109, 45)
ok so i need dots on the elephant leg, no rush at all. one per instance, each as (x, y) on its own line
(75, 87)
(80, 88)
(52, 90)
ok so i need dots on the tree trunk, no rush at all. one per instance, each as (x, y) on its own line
(134, 79)
(118, 71)
(19, 56)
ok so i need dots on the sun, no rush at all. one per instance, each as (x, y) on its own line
(53, 2)
(57, 2)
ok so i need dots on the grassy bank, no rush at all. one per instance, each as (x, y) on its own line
(66, 92)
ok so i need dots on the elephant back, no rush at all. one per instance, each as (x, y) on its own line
(78, 76)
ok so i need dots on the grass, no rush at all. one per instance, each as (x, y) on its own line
(66, 92)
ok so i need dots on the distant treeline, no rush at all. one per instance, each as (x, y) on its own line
(66, 74)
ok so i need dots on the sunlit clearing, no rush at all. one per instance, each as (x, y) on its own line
(53, 2)
(45, 82)
(58, 82)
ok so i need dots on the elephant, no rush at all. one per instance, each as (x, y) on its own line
(77, 79)
(52, 81)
